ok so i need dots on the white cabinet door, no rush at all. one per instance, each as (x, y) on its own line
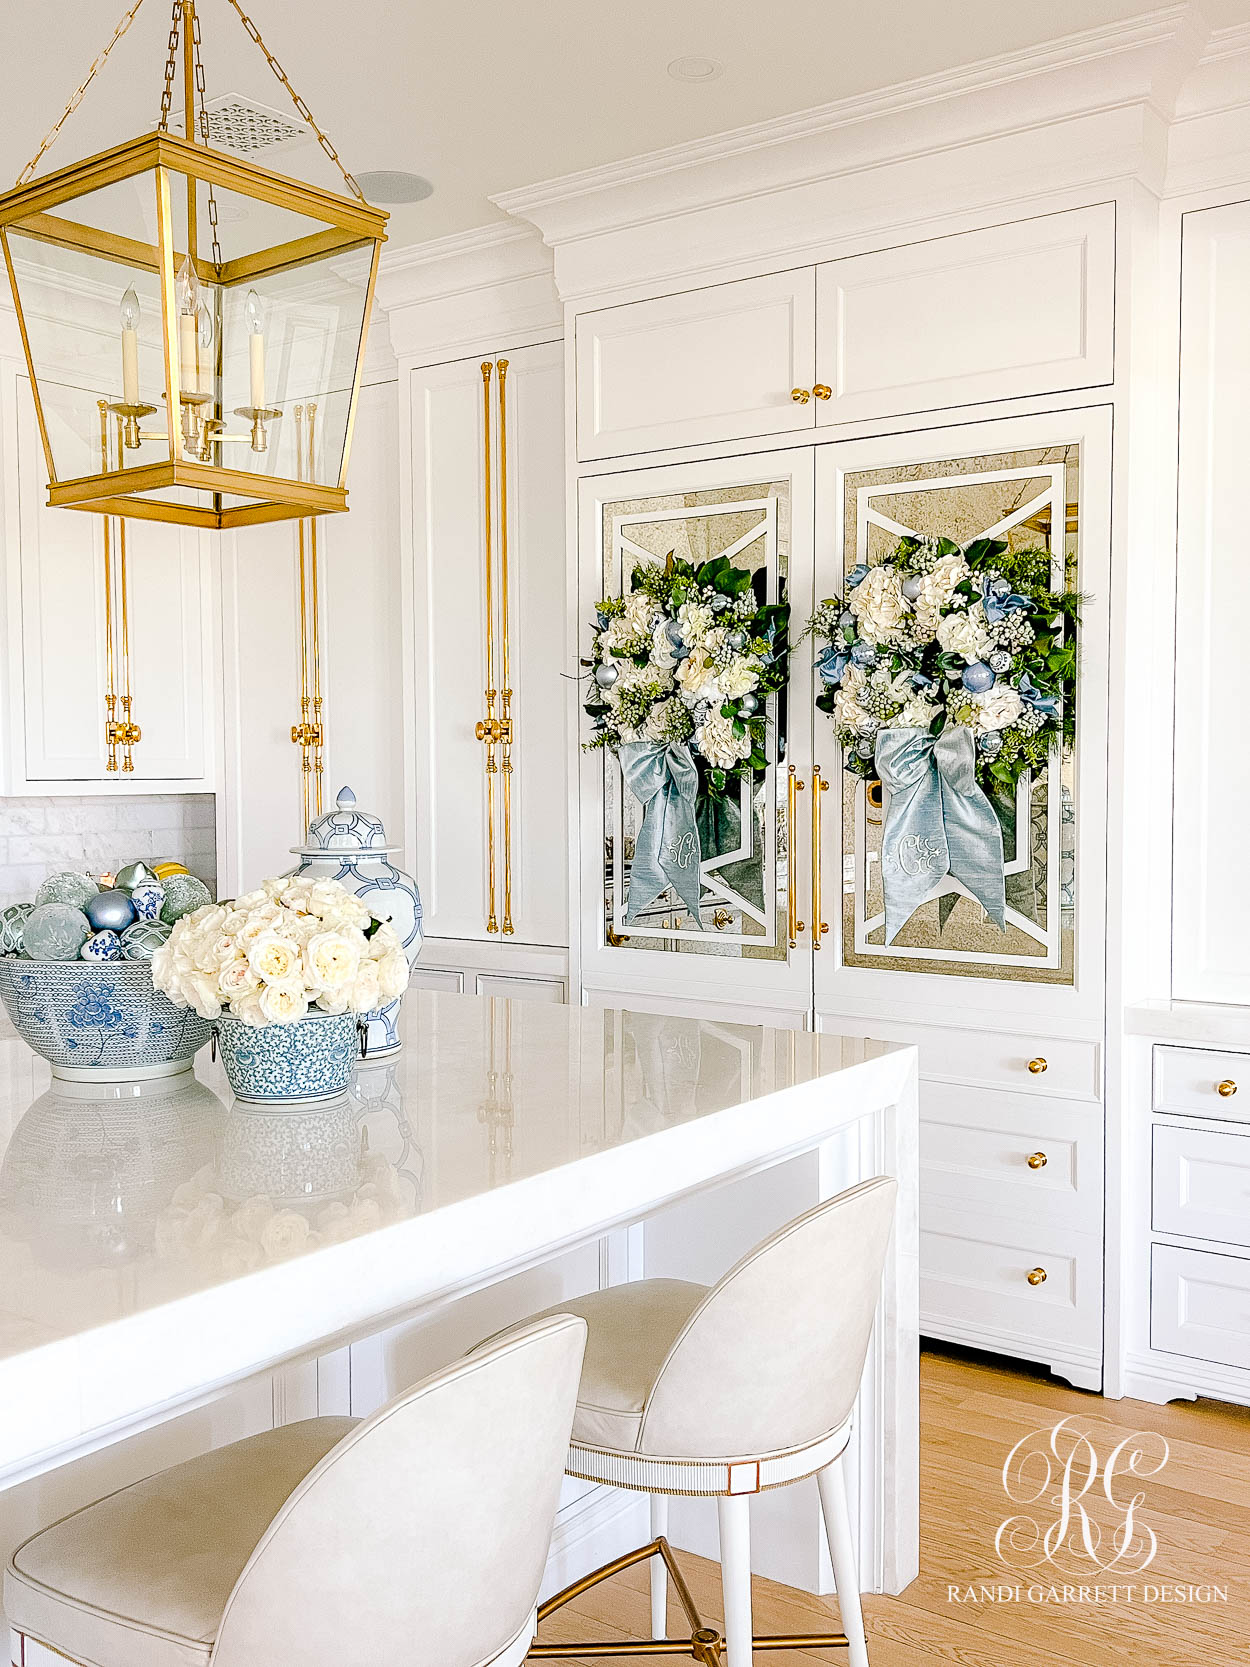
(461, 832)
(1010, 310)
(708, 365)
(1211, 909)
(66, 618)
(361, 666)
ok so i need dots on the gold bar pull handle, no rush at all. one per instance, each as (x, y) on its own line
(505, 691)
(794, 786)
(110, 668)
(488, 729)
(819, 926)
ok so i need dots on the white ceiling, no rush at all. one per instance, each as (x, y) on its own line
(486, 96)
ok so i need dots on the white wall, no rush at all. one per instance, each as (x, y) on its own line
(39, 836)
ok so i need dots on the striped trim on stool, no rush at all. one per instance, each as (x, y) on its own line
(648, 1473)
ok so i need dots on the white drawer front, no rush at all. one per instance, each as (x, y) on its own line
(1052, 1065)
(976, 1145)
(1189, 1080)
(1201, 1184)
(712, 364)
(974, 1279)
(1200, 1305)
(1016, 309)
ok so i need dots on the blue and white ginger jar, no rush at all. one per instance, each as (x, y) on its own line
(349, 845)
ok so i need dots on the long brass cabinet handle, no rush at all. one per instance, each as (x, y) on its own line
(309, 733)
(819, 926)
(794, 786)
(505, 689)
(488, 729)
(120, 728)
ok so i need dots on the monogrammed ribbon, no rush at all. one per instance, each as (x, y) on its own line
(939, 822)
(665, 781)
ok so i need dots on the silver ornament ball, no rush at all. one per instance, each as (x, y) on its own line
(67, 887)
(134, 874)
(55, 932)
(183, 895)
(110, 911)
(606, 676)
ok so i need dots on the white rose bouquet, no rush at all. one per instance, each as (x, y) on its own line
(270, 956)
(939, 634)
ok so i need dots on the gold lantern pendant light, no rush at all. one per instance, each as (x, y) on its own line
(200, 346)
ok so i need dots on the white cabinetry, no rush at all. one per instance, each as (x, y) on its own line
(1005, 312)
(261, 815)
(1211, 910)
(68, 604)
(488, 604)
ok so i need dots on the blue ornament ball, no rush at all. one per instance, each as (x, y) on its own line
(864, 654)
(55, 932)
(606, 675)
(978, 678)
(12, 927)
(67, 887)
(846, 620)
(102, 946)
(148, 900)
(110, 911)
(912, 585)
(183, 895)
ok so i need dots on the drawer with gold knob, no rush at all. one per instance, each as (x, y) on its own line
(1059, 1067)
(1039, 1159)
(1202, 1082)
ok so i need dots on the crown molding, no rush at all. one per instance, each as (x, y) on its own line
(490, 287)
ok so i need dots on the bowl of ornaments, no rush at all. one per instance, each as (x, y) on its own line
(76, 973)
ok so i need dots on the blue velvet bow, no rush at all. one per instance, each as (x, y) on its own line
(1038, 699)
(857, 575)
(832, 665)
(998, 599)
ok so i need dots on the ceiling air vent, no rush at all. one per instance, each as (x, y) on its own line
(237, 124)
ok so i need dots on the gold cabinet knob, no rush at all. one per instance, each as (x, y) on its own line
(1037, 1066)
(1036, 1276)
(822, 390)
(800, 396)
(1226, 1089)
(1037, 1160)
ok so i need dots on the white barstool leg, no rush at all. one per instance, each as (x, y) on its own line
(659, 1572)
(833, 1503)
(735, 1576)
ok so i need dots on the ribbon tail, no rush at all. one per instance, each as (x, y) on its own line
(667, 850)
(973, 832)
(915, 857)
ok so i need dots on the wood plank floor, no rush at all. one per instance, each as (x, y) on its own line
(973, 1411)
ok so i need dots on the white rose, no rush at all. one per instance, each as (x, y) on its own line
(999, 707)
(286, 1233)
(964, 633)
(384, 941)
(251, 900)
(331, 961)
(339, 1002)
(738, 678)
(938, 585)
(204, 994)
(283, 1003)
(260, 920)
(393, 974)
(698, 680)
(251, 1218)
(236, 979)
(366, 992)
(273, 958)
(878, 605)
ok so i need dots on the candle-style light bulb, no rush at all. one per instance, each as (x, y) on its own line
(187, 294)
(130, 348)
(204, 332)
(254, 318)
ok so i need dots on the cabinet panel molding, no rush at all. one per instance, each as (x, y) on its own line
(1200, 1304)
(706, 365)
(1012, 310)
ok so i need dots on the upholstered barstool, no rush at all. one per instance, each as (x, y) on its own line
(419, 1535)
(729, 1391)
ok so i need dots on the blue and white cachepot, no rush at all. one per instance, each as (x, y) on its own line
(349, 845)
(310, 1059)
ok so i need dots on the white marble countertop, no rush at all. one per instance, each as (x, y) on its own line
(156, 1240)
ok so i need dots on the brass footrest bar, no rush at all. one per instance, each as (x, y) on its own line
(704, 1644)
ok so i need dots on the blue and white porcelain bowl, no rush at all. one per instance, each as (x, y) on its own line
(99, 1020)
(312, 1059)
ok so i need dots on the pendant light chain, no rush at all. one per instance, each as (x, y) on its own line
(171, 67)
(203, 125)
(305, 113)
(50, 137)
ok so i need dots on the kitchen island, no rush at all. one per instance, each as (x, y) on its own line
(177, 1270)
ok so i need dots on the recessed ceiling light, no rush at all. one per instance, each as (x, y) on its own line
(392, 185)
(696, 69)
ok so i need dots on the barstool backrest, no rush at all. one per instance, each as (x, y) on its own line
(772, 1357)
(422, 1537)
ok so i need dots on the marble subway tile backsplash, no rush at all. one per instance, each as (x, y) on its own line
(38, 836)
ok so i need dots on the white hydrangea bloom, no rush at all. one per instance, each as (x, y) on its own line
(999, 707)
(717, 742)
(937, 588)
(878, 605)
(964, 633)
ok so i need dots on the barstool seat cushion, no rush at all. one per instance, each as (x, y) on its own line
(630, 1329)
(141, 1578)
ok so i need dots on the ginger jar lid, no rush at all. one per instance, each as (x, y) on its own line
(346, 832)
